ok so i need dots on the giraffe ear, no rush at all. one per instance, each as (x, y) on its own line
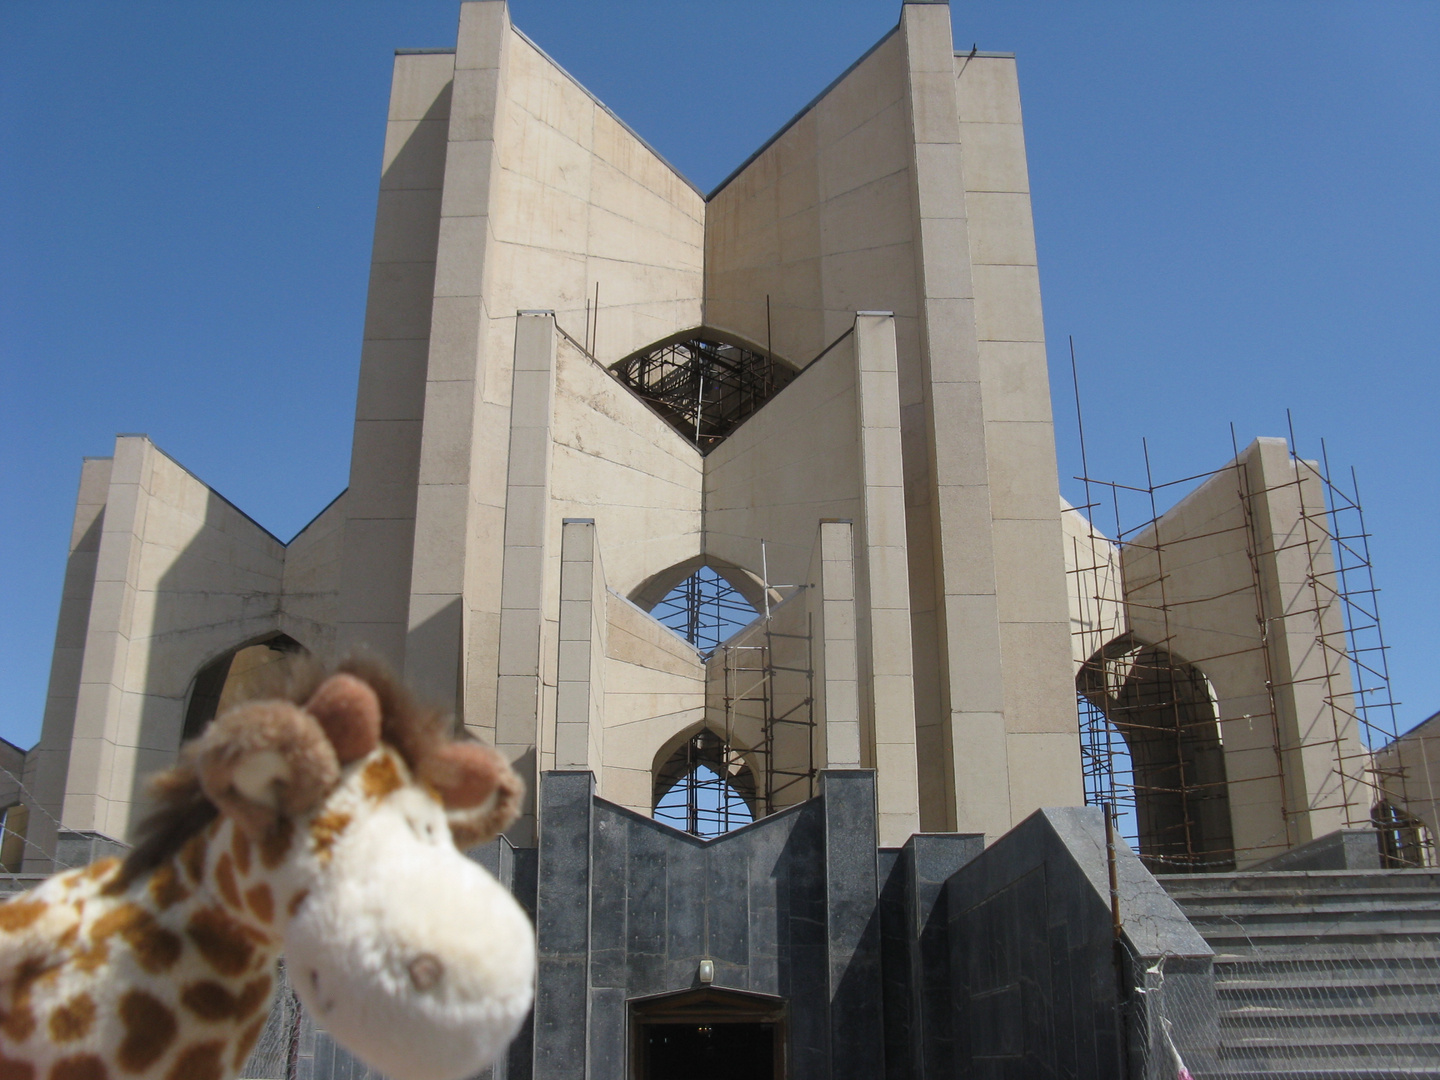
(265, 760)
(479, 789)
(348, 710)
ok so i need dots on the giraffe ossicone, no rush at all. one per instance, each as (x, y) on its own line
(325, 825)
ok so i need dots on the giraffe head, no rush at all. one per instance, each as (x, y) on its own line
(409, 953)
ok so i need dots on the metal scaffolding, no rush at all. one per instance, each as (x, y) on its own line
(763, 758)
(704, 389)
(705, 609)
(1151, 725)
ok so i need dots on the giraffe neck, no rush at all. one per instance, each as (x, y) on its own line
(184, 956)
(225, 900)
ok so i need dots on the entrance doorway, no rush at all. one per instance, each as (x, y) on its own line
(708, 1034)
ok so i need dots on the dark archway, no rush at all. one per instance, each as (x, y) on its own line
(1165, 710)
(221, 682)
(704, 787)
(708, 1034)
(704, 384)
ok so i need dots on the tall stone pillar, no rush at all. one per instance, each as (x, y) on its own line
(519, 697)
(887, 659)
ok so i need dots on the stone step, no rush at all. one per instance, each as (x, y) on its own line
(1389, 959)
(1376, 1049)
(1381, 1072)
(1369, 994)
(1321, 975)
(1413, 900)
(1308, 942)
(1351, 1023)
(1297, 881)
(1376, 921)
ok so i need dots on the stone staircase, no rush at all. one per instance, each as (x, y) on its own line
(1321, 974)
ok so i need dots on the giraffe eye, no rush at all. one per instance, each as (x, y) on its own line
(423, 830)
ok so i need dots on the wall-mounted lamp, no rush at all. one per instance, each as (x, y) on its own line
(707, 972)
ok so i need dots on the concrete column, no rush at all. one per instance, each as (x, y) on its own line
(454, 605)
(579, 687)
(887, 659)
(972, 740)
(1038, 682)
(49, 762)
(1324, 760)
(527, 504)
(101, 693)
(389, 410)
(836, 660)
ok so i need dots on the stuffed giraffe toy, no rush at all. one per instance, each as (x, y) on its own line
(322, 823)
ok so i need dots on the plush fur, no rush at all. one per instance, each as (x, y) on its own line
(321, 823)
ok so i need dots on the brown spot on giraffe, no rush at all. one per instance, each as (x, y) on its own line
(225, 942)
(72, 1019)
(92, 958)
(15, 1070)
(380, 778)
(209, 1000)
(79, 1067)
(18, 1020)
(149, 1030)
(295, 901)
(156, 948)
(326, 829)
(240, 848)
(199, 1062)
(225, 880)
(213, 1001)
(192, 857)
(261, 901)
(275, 844)
(18, 914)
(247, 1041)
(166, 888)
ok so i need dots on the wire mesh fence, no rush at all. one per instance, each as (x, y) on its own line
(1328, 974)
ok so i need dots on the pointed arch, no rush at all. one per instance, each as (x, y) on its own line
(706, 601)
(704, 383)
(222, 679)
(656, 587)
(703, 785)
(1166, 711)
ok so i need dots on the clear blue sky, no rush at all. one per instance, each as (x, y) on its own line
(1235, 205)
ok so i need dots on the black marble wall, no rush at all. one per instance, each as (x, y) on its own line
(786, 907)
(914, 909)
(1037, 985)
(940, 959)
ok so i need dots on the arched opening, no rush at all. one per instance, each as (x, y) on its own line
(704, 384)
(1151, 741)
(704, 787)
(708, 1034)
(231, 676)
(705, 609)
(1405, 840)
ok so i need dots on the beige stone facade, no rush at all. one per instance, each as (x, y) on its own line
(514, 511)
